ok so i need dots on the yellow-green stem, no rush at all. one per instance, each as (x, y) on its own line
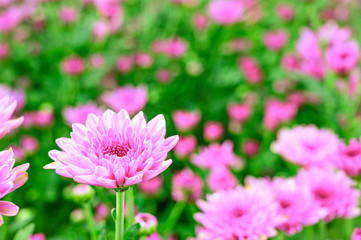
(119, 221)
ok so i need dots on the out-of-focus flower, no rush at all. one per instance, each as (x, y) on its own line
(186, 186)
(238, 214)
(250, 147)
(132, 99)
(307, 146)
(77, 215)
(213, 131)
(29, 143)
(290, 62)
(97, 61)
(68, 14)
(175, 48)
(278, 112)
(37, 236)
(164, 75)
(11, 18)
(14, 95)
(297, 204)
(185, 146)
(10, 179)
(251, 69)
(216, 155)
(348, 158)
(194, 68)
(41, 118)
(343, 57)
(7, 123)
(79, 114)
(101, 29)
(353, 82)
(275, 40)
(152, 187)
(186, 120)
(356, 235)
(332, 190)
(156, 236)
(19, 153)
(148, 223)
(144, 60)
(220, 178)
(73, 66)
(285, 12)
(308, 46)
(225, 12)
(82, 193)
(125, 64)
(239, 112)
(200, 21)
(102, 211)
(114, 151)
(4, 51)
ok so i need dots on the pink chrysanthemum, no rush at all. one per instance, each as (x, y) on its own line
(215, 155)
(132, 99)
(349, 158)
(307, 146)
(80, 113)
(10, 179)
(7, 109)
(332, 190)
(186, 120)
(114, 151)
(186, 186)
(296, 203)
(356, 235)
(220, 178)
(238, 214)
(14, 95)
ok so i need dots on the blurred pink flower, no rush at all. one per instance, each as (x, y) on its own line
(186, 120)
(251, 69)
(348, 158)
(14, 95)
(29, 143)
(37, 236)
(97, 61)
(68, 14)
(225, 12)
(220, 178)
(175, 48)
(239, 112)
(356, 235)
(152, 187)
(79, 114)
(114, 151)
(297, 204)
(73, 66)
(200, 21)
(250, 147)
(10, 18)
(7, 123)
(102, 211)
(185, 146)
(101, 29)
(285, 12)
(164, 75)
(275, 40)
(125, 64)
(307, 146)
(353, 82)
(41, 118)
(343, 57)
(290, 62)
(10, 179)
(154, 236)
(186, 186)
(19, 153)
(278, 112)
(132, 99)
(4, 51)
(144, 60)
(332, 190)
(148, 223)
(213, 131)
(308, 46)
(332, 34)
(216, 155)
(238, 214)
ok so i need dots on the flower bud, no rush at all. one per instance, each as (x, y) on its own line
(83, 193)
(148, 223)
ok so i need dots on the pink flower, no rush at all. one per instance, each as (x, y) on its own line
(220, 178)
(97, 61)
(307, 146)
(175, 48)
(225, 12)
(154, 236)
(102, 211)
(200, 21)
(216, 155)
(185, 146)
(297, 204)
(308, 46)
(332, 34)
(14, 95)
(275, 40)
(29, 143)
(41, 118)
(239, 112)
(278, 112)
(164, 75)
(186, 186)
(148, 223)
(114, 151)
(10, 179)
(79, 114)
(353, 82)
(213, 131)
(285, 12)
(132, 99)
(7, 123)
(356, 235)
(144, 60)
(125, 64)
(11, 18)
(101, 29)
(332, 190)
(4, 51)
(290, 62)
(238, 214)
(251, 147)
(343, 57)
(37, 236)
(68, 14)
(186, 120)
(348, 158)
(152, 187)
(73, 66)
(250, 69)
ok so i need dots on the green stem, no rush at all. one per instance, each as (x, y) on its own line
(4, 228)
(174, 215)
(323, 230)
(130, 208)
(309, 233)
(90, 220)
(280, 236)
(119, 222)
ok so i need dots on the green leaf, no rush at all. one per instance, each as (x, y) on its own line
(114, 214)
(24, 233)
(102, 235)
(133, 232)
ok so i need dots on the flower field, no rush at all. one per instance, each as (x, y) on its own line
(180, 119)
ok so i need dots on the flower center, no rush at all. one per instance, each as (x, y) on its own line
(321, 194)
(117, 150)
(351, 152)
(285, 204)
(237, 212)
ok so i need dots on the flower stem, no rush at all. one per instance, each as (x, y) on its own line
(174, 215)
(119, 222)
(323, 230)
(130, 208)
(90, 220)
